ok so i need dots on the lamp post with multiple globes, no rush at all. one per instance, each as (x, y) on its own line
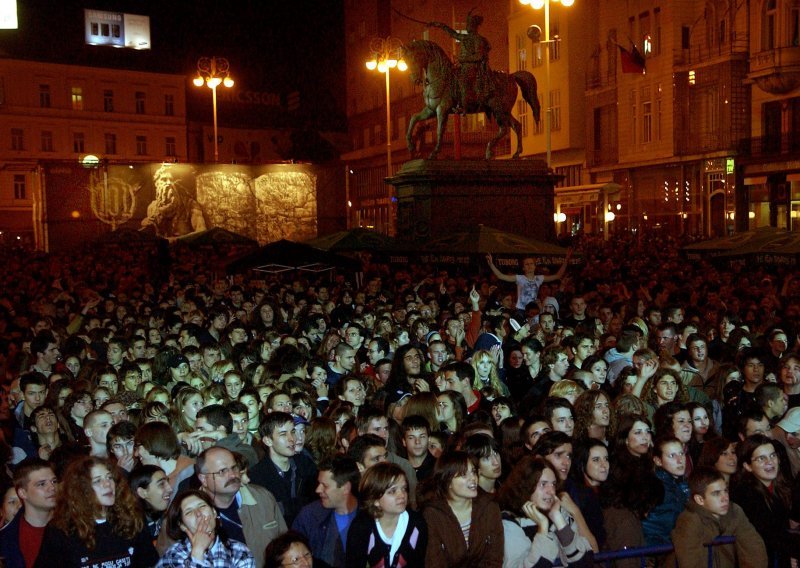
(213, 72)
(386, 55)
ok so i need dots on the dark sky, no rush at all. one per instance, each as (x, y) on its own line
(273, 45)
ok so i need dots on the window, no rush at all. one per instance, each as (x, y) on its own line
(111, 143)
(538, 127)
(108, 100)
(555, 47)
(555, 110)
(44, 96)
(169, 105)
(644, 29)
(19, 186)
(17, 139)
(47, 140)
(522, 115)
(78, 142)
(170, 147)
(522, 52)
(140, 99)
(768, 24)
(141, 145)
(77, 98)
(647, 121)
(656, 31)
(658, 111)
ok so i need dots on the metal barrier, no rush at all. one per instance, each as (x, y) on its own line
(643, 552)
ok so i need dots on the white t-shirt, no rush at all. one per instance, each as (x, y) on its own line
(527, 290)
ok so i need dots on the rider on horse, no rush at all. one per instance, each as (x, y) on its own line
(475, 80)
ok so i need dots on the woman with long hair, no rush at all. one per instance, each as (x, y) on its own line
(664, 387)
(487, 373)
(321, 439)
(96, 519)
(486, 452)
(532, 506)
(188, 403)
(720, 453)
(464, 525)
(452, 411)
(766, 498)
(632, 489)
(423, 404)
(590, 469)
(593, 416)
(191, 521)
(386, 533)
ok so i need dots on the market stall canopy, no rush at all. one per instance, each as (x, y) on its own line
(283, 255)
(722, 245)
(214, 236)
(358, 239)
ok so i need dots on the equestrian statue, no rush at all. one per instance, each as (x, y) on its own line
(467, 87)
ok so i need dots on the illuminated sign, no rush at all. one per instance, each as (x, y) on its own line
(8, 15)
(117, 29)
(729, 166)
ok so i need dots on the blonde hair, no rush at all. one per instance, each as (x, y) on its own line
(494, 377)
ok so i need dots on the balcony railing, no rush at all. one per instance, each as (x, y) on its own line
(737, 46)
(786, 143)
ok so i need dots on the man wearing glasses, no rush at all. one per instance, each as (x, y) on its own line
(248, 513)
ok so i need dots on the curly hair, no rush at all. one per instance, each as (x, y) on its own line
(321, 439)
(521, 483)
(76, 515)
(584, 414)
(649, 390)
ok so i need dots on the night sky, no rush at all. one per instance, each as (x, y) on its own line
(273, 46)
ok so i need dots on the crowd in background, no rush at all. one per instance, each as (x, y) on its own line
(157, 411)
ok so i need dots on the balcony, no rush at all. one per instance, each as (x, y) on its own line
(766, 146)
(776, 71)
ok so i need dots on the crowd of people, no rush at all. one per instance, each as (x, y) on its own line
(156, 412)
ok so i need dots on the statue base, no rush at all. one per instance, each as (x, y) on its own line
(438, 197)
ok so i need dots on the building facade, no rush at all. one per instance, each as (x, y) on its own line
(63, 113)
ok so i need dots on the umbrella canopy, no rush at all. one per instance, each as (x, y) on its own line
(284, 255)
(782, 248)
(483, 239)
(723, 245)
(353, 240)
(459, 247)
(217, 235)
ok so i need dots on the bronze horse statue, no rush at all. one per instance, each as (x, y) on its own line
(442, 94)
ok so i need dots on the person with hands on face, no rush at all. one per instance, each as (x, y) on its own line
(537, 530)
(191, 521)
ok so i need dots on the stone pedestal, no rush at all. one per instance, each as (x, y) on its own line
(438, 197)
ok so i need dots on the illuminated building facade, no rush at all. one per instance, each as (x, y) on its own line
(53, 112)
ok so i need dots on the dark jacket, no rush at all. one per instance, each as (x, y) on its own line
(364, 542)
(446, 546)
(68, 551)
(770, 517)
(9, 543)
(292, 491)
(660, 521)
(318, 525)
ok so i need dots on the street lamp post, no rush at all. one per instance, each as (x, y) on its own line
(385, 57)
(534, 32)
(211, 72)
